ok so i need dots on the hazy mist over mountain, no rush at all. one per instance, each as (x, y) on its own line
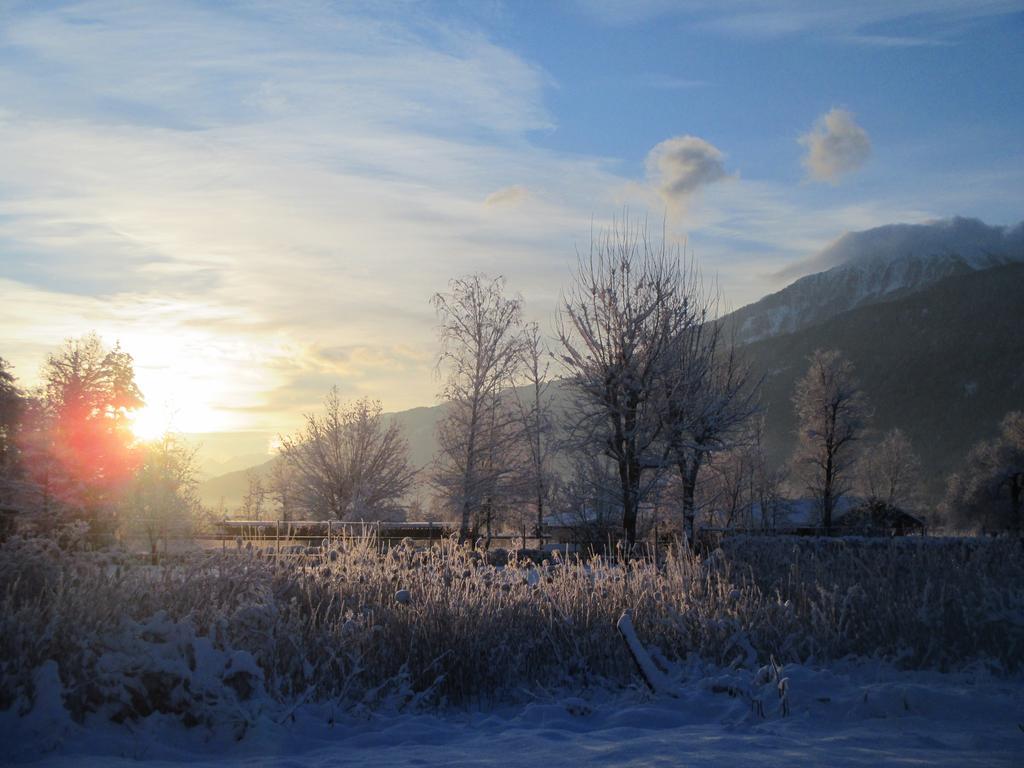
(927, 312)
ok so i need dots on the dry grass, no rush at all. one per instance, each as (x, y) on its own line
(211, 630)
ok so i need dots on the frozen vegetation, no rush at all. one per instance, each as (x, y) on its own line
(765, 643)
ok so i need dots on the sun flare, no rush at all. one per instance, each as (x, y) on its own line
(150, 422)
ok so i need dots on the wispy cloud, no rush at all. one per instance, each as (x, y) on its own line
(932, 21)
(507, 196)
(259, 199)
(898, 41)
(266, 181)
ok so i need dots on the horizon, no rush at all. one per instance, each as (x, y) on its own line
(260, 204)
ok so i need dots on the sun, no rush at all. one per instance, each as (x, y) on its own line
(150, 422)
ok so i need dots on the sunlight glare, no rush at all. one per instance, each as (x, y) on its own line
(150, 422)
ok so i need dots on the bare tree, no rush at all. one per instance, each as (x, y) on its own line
(891, 471)
(348, 464)
(588, 501)
(832, 414)
(161, 499)
(747, 490)
(282, 487)
(254, 500)
(537, 425)
(709, 397)
(730, 481)
(618, 329)
(766, 481)
(480, 352)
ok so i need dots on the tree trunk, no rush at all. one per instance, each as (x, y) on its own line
(688, 471)
(1017, 501)
(628, 476)
(826, 498)
(540, 522)
(464, 531)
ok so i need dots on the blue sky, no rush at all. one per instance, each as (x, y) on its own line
(259, 198)
(939, 78)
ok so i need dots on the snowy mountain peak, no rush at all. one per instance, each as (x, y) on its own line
(977, 244)
(876, 265)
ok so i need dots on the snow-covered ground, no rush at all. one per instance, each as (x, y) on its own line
(849, 714)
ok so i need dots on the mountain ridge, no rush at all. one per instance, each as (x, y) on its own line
(879, 264)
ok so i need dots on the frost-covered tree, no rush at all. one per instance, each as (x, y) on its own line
(79, 432)
(619, 330)
(731, 498)
(710, 397)
(832, 414)
(254, 500)
(481, 350)
(767, 481)
(989, 493)
(281, 486)
(161, 500)
(348, 463)
(537, 427)
(891, 472)
(745, 489)
(588, 500)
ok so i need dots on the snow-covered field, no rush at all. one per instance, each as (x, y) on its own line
(850, 714)
(903, 652)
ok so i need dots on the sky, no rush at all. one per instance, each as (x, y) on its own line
(258, 199)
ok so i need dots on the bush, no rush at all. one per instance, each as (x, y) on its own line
(214, 637)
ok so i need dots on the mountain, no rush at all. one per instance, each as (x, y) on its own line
(944, 364)
(217, 453)
(230, 488)
(210, 468)
(936, 336)
(878, 265)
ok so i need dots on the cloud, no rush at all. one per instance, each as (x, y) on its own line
(681, 166)
(223, 191)
(931, 22)
(836, 145)
(897, 41)
(507, 196)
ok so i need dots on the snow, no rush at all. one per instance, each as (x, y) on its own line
(652, 675)
(847, 714)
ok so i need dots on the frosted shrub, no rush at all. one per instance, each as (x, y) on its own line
(213, 637)
(924, 602)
